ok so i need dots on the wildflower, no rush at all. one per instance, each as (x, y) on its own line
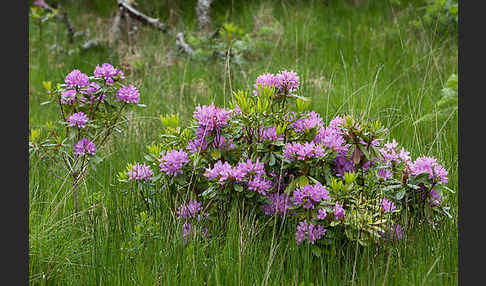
(84, 146)
(68, 96)
(107, 72)
(269, 134)
(315, 193)
(248, 167)
(309, 231)
(40, 3)
(342, 165)
(186, 229)
(211, 118)
(396, 232)
(78, 119)
(338, 211)
(310, 121)
(321, 214)
(387, 205)
(259, 184)
(140, 172)
(429, 165)
(266, 80)
(331, 138)
(279, 203)
(199, 143)
(172, 162)
(222, 143)
(128, 94)
(190, 210)
(287, 81)
(90, 93)
(220, 170)
(304, 151)
(434, 198)
(76, 79)
(384, 173)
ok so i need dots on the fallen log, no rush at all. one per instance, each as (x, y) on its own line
(181, 44)
(134, 13)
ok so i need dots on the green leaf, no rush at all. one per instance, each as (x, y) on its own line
(400, 194)
(316, 251)
(216, 154)
(238, 188)
(392, 187)
(272, 159)
(291, 186)
(148, 158)
(302, 181)
(210, 191)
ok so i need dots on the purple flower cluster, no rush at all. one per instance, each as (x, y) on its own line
(429, 165)
(279, 203)
(342, 165)
(222, 143)
(90, 91)
(259, 184)
(78, 119)
(68, 96)
(338, 211)
(128, 94)
(254, 171)
(84, 146)
(384, 173)
(266, 80)
(295, 150)
(387, 205)
(321, 214)
(434, 198)
(288, 81)
(390, 154)
(284, 82)
(171, 163)
(188, 211)
(309, 231)
(269, 134)
(211, 118)
(140, 172)
(191, 211)
(331, 138)
(76, 79)
(310, 121)
(107, 72)
(308, 196)
(40, 3)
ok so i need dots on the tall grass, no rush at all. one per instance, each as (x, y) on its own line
(368, 61)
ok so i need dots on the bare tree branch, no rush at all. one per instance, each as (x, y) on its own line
(134, 13)
(182, 44)
(63, 17)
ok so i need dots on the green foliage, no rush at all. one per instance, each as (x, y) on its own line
(447, 105)
(443, 12)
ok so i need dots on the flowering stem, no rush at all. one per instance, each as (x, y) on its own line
(112, 126)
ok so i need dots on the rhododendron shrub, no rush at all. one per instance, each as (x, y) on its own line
(90, 108)
(268, 153)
